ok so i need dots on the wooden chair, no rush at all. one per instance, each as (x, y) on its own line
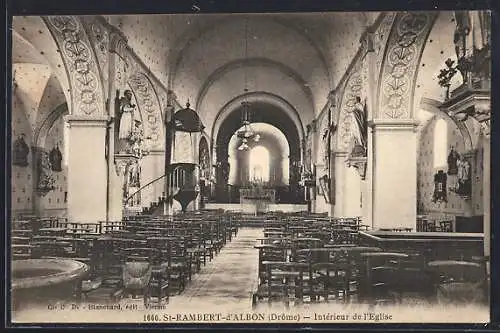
(331, 279)
(379, 284)
(284, 283)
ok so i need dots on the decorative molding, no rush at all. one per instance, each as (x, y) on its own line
(86, 121)
(99, 36)
(352, 90)
(473, 103)
(393, 124)
(81, 64)
(359, 163)
(123, 162)
(149, 106)
(400, 63)
(367, 42)
(381, 35)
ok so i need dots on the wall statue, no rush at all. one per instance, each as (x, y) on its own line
(20, 152)
(453, 158)
(127, 124)
(134, 175)
(464, 180)
(440, 179)
(55, 158)
(359, 129)
(46, 180)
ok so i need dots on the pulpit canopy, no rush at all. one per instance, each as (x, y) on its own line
(187, 120)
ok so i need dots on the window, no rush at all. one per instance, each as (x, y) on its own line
(440, 144)
(259, 164)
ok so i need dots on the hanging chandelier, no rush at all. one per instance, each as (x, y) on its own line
(246, 132)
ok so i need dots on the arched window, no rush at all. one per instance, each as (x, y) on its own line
(259, 164)
(440, 144)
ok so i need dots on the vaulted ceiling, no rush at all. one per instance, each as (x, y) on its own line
(39, 80)
(297, 57)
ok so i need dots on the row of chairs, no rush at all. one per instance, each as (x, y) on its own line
(297, 267)
(142, 256)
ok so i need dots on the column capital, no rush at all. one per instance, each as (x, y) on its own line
(333, 98)
(340, 154)
(393, 124)
(366, 41)
(87, 121)
(157, 152)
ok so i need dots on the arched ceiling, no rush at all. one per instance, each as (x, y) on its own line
(263, 77)
(268, 135)
(261, 113)
(41, 84)
(37, 89)
(438, 48)
(202, 57)
(32, 43)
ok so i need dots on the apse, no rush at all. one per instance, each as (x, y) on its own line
(250, 164)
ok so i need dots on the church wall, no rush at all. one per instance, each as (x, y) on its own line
(22, 177)
(456, 206)
(54, 203)
(276, 172)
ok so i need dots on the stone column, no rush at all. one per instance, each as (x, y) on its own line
(394, 191)
(87, 170)
(152, 167)
(352, 193)
(338, 161)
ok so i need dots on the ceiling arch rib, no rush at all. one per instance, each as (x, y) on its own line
(199, 28)
(264, 79)
(32, 37)
(253, 62)
(288, 112)
(264, 113)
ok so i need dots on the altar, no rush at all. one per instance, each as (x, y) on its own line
(256, 200)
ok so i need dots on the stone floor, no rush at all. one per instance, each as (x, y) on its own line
(222, 292)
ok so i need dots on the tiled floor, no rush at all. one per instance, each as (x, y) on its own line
(229, 280)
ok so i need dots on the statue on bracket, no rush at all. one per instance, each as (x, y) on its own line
(20, 152)
(464, 188)
(55, 158)
(453, 158)
(46, 180)
(129, 128)
(440, 179)
(359, 129)
(134, 175)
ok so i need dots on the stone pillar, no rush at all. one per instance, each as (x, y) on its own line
(394, 190)
(152, 167)
(338, 161)
(352, 193)
(115, 196)
(347, 188)
(87, 169)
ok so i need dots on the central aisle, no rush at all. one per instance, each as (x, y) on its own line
(228, 281)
